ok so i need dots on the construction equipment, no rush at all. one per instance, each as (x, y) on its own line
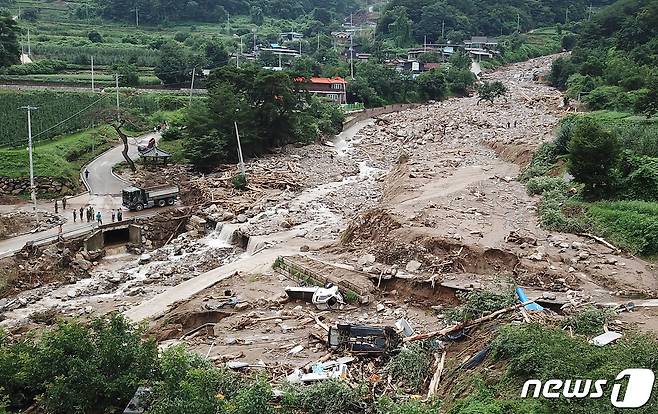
(135, 198)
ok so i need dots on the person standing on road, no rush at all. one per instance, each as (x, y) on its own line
(99, 218)
(82, 216)
(75, 216)
(56, 207)
(86, 174)
(64, 203)
(119, 215)
(113, 215)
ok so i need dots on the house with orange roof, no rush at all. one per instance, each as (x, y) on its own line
(333, 89)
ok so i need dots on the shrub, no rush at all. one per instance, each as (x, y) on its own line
(552, 215)
(639, 177)
(75, 368)
(386, 405)
(539, 185)
(589, 321)
(606, 97)
(478, 303)
(542, 161)
(172, 134)
(330, 396)
(412, 365)
(254, 398)
(239, 182)
(189, 384)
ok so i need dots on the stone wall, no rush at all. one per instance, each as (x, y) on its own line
(371, 112)
(16, 186)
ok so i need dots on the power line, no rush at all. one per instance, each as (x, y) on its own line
(69, 118)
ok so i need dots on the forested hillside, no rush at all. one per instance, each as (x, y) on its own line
(463, 18)
(614, 64)
(159, 11)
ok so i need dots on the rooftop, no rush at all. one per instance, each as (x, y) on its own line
(315, 80)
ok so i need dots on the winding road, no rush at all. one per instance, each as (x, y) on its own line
(104, 195)
(102, 181)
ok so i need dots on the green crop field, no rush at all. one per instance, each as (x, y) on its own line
(57, 112)
(60, 158)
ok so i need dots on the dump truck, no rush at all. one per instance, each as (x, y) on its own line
(135, 198)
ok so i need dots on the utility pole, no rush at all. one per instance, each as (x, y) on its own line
(566, 15)
(318, 42)
(136, 16)
(352, 55)
(29, 44)
(192, 85)
(29, 149)
(240, 159)
(228, 23)
(116, 77)
(93, 86)
(254, 30)
(280, 67)
(425, 44)
(443, 31)
(237, 58)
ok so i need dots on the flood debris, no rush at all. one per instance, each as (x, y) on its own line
(363, 339)
(606, 338)
(327, 298)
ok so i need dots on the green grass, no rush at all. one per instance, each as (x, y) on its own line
(60, 158)
(629, 224)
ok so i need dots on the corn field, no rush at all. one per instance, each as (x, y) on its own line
(55, 107)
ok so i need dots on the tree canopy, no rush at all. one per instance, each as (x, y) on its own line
(161, 11)
(9, 48)
(463, 18)
(614, 59)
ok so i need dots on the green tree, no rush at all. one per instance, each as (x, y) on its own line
(206, 151)
(305, 67)
(489, 91)
(128, 75)
(401, 29)
(174, 65)
(561, 70)
(432, 84)
(95, 37)
(9, 48)
(216, 54)
(460, 60)
(647, 104)
(593, 153)
(257, 16)
(568, 41)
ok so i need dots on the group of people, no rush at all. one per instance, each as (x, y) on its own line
(90, 213)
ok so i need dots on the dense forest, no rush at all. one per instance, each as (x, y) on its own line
(459, 19)
(615, 59)
(160, 11)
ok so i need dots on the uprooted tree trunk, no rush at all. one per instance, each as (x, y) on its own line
(124, 138)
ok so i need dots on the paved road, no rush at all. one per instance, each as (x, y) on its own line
(104, 195)
(15, 244)
(101, 181)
